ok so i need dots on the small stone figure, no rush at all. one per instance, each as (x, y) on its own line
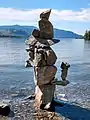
(28, 64)
(64, 67)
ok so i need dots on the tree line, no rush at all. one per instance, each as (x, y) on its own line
(87, 35)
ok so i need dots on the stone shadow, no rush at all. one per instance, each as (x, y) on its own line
(11, 114)
(72, 112)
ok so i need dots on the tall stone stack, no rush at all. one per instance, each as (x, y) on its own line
(43, 59)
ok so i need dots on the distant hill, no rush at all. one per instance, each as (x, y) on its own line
(66, 34)
(25, 31)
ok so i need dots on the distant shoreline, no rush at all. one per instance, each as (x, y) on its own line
(12, 36)
(26, 37)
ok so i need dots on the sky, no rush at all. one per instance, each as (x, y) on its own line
(73, 15)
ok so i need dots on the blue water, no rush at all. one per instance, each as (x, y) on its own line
(17, 81)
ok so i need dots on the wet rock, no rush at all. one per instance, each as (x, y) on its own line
(44, 75)
(44, 95)
(4, 109)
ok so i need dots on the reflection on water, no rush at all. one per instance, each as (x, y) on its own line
(14, 77)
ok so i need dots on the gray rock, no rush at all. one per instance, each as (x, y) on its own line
(44, 75)
(32, 41)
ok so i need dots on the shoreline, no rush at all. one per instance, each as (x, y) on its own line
(24, 110)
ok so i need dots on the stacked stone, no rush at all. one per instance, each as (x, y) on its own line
(43, 59)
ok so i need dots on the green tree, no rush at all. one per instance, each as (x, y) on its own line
(87, 35)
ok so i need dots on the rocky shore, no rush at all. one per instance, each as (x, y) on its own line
(24, 110)
(77, 109)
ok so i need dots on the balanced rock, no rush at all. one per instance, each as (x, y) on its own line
(44, 75)
(44, 95)
(46, 29)
(45, 26)
(45, 14)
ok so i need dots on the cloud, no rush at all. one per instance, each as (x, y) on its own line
(31, 16)
(78, 16)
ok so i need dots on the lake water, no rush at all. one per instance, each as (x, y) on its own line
(16, 81)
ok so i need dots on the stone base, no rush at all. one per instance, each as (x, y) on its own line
(44, 96)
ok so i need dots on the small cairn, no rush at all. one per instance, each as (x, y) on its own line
(43, 59)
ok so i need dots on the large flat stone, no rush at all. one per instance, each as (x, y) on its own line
(32, 41)
(44, 75)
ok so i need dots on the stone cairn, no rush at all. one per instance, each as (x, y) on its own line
(43, 58)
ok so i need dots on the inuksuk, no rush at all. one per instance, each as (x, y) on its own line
(43, 59)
